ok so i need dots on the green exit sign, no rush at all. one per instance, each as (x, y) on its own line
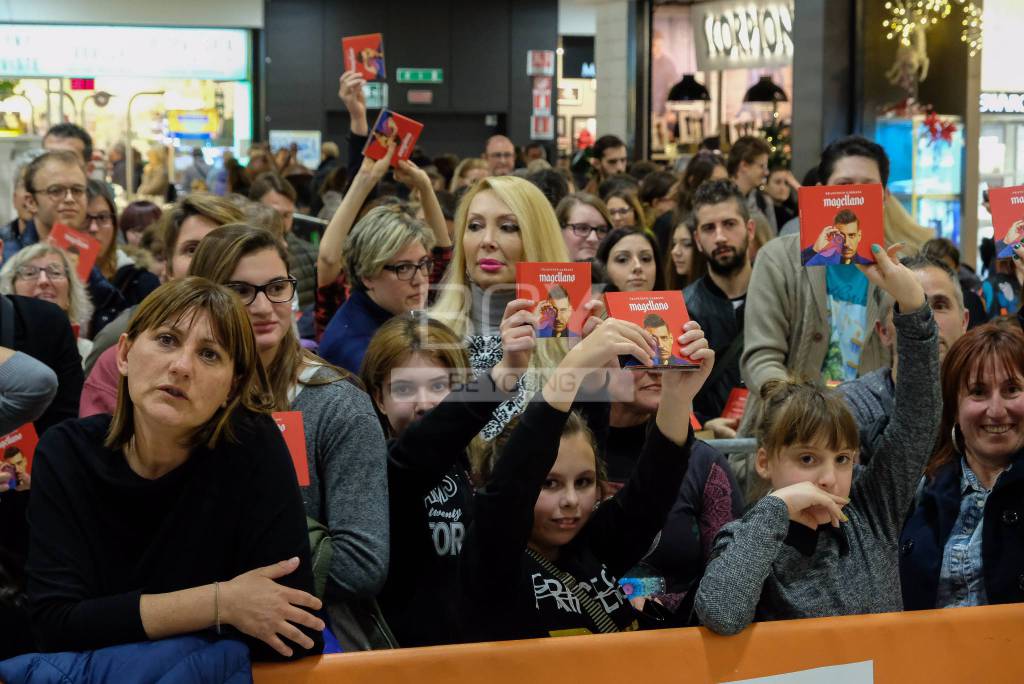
(407, 75)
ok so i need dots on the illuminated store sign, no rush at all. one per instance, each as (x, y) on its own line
(1002, 103)
(732, 35)
(34, 51)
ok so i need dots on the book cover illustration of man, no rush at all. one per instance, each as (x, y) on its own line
(838, 224)
(663, 315)
(16, 451)
(365, 55)
(560, 290)
(392, 128)
(1007, 205)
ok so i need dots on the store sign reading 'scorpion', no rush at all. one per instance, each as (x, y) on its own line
(733, 34)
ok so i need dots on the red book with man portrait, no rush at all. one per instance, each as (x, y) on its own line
(84, 248)
(17, 449)
(365, 55)
(663, 315)
(560, 290)
(391, 126)
(839, 223)
(1007, 205)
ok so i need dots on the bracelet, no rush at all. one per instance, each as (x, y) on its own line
(216, 605)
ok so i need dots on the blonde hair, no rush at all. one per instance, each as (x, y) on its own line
(378, 237)
(464, 167)
(80, 307)
(185, 298)
(901, 227)
(538, 229)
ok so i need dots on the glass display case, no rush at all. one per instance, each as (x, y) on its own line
(925, 175)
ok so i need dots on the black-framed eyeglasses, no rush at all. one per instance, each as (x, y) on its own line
(59, 192)
(406, 269)
(104, 218)
(583, 230)
(53, 272)
(277, 291)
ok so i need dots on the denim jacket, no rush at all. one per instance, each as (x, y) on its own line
(961, 582)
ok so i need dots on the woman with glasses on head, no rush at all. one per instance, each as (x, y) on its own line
(585, 222)
(388, 263)
(45, 272)
(347, 491)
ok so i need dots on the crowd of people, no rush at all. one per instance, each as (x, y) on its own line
(459, 479)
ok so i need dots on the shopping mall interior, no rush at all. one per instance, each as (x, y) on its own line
(206, 100)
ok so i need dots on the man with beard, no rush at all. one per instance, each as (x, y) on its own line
(722, 230)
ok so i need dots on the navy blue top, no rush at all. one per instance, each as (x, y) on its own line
(348, 334)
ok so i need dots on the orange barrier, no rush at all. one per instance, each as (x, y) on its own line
(957, 645)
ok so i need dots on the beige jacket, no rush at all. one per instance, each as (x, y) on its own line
(786, 323)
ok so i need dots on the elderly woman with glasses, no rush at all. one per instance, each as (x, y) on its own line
(347, 487)
(388, 262)
(45, 272)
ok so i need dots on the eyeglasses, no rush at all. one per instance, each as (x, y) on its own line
(53, 272)
(406, 269)
(583, 230)
(59, 192)
(104, 218)
(277, 291)
(626, 211)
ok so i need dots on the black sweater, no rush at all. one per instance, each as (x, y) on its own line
(506, 593)
(101, 536)
(431, 501)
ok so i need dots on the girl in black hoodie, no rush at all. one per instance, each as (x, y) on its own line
(540, 559)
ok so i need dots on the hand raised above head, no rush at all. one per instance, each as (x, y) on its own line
(895, 278)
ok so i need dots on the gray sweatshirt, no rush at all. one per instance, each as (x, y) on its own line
(348, 490)
(27, 387)
(765, 568)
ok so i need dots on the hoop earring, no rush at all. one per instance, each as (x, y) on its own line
(956, 447)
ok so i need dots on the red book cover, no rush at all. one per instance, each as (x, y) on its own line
(391, 126)
(85, 248)
(662, 314)
(1007, 218)
(17, 449)
(365, 54)
(839, 223)
(736, 403)
(290, 424)
(560, 290)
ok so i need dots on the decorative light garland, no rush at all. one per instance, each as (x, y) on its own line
(906, 16)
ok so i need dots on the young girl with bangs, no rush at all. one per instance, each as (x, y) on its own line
(824, 541)
(541, 558)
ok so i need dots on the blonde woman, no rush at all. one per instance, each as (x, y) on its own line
(468, 172)
(500, 222)
(45, 272)
(154, 176)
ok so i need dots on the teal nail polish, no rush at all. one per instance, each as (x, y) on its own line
(876, 248)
